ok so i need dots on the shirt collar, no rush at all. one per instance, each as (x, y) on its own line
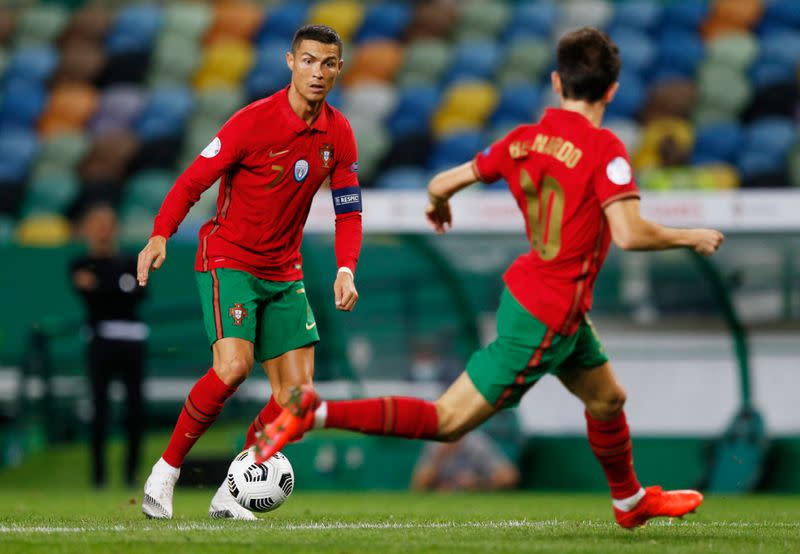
(558, 112)
(295, 122)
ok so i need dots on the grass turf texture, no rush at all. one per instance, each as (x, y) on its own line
(46, 506)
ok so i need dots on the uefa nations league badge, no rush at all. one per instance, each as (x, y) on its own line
(300, 170)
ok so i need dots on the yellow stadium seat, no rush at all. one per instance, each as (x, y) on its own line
(343, 15)
(466, 104)
(224, 63)
(656, 133)
(44, 230)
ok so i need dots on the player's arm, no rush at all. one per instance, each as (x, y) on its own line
(630, 231)
(346, 195)
(441, 188)
(224, 151)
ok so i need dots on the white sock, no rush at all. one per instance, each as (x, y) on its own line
(320, 415)
(628, 504)
(161, 466)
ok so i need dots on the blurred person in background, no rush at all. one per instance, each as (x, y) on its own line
(473, 463)
(105, 279)
(574, 186)
(272, 157)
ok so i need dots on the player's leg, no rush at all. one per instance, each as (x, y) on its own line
(99, 378)
(228, 299)
(594, 382)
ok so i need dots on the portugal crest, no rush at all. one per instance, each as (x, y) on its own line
(326, 153)
(237, 312)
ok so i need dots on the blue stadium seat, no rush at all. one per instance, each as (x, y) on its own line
(281, 22)
(22, 103)
(773, 135)
(689, 14)
(403, 178)
(679, 50)
(768, 72)
(717, 142)
(269, 74)
(32, 63)
(532, 19)
(754, 163)
(456, 149)
(165, 113)
(630, 96)
(783, 12)
(415, 105)
(134, 29)
(518, 103)
(383, 21)
(643, 15)
(782, 47)
(474, 59)
(17, 150)
(636, 49)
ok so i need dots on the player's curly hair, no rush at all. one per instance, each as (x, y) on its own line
(317, 33)
(588, 64)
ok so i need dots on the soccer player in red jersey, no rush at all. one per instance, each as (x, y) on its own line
(573, 183)
(271, 158)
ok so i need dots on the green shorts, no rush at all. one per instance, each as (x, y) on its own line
(525, 350)
(274, 315)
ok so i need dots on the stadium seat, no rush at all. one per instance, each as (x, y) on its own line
(766, 72)
(642, 15)
(782, 47)
(680, 50)
(637, 51)
(43, 230)
(736, 50)
(372, 99)
(88, 24)
(69, 108)
(482, 20)
(403, 178)
(374, 61)
(107, 162)
(119, 107)
(431, 20)
(373, 142)
(415, 106)
(717, 142)
(473, 60)
(199, 132)
(424, 61)
(525, 60)
(234, 21)
(18, 148)
(40, 24)
(32, 63)
(532, 20)
(50, 192)
(134, 29)
(280, 23)
(224, 64)
(518, 103)
(584, 13)
(754, 163)
(61, 152)
(627, 130)
(723, 89)
(456, 148)
(688, 15)
(165, 113)
(630, 96)
(383, 22)
(188, 19)
(22, 102)
(771, 135)
(8, 20)
(220, 103)
(732, 15)
(775, 100)
(343, 15)
(81, 61)
(175, 59)
(672, 98)
(269, 73)
(146, 190)
(466, 105)
(666, 141)
(781, 12)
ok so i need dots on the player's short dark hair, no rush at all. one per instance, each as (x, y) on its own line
(588, 64)
(317, 33)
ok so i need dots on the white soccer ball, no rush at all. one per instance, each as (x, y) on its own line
(260, 487)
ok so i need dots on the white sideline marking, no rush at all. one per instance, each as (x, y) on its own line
(505, 524)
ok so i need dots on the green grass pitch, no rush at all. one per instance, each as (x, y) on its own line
(45, 506)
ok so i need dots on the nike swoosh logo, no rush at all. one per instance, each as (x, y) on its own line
(276, 154)
(191, 436)
(309, 327)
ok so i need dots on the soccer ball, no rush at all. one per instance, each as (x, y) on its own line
(260, 487)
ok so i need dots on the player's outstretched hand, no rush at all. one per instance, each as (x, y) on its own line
(438, 213)
(152, 256)
(707, 241)
(344, 292)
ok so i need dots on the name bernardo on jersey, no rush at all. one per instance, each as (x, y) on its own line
(556, 147)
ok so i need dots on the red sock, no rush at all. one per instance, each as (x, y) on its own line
(200, 410)
(392, 415)
(611, 444)
(265, 417)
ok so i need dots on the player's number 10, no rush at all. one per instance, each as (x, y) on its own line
(545, 213)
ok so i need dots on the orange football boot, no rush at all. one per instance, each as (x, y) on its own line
(290, 425)
(659, 503)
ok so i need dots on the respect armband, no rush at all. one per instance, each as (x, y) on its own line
(346, 200)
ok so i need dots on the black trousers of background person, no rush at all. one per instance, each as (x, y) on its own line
(123, 360)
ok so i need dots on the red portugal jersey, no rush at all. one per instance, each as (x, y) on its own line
(271, 163)
(562, 172)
